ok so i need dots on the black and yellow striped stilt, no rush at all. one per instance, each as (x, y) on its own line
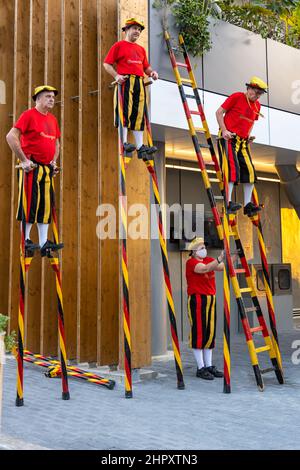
(168, 287)
(25, 261)
(123, 163)
(226, 288)
(267, 282)
(55, 264)
(24, 266)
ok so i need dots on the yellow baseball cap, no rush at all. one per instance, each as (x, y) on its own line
(41, 88)
(195, 243)
(258, 83)
(131, 22)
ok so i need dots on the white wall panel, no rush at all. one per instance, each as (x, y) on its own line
(277, 128)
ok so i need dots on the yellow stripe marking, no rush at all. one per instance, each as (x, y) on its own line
(226, 354)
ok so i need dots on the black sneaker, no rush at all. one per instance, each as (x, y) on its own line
(128, 148)
(30, 247)
(233, 207)
(49, 246)
(203, 373)
(214, 371)
(144, 152)
(251, 209)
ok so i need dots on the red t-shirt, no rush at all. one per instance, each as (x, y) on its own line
(38, 135)
(197, 283)
(240, 114)
(131, 59)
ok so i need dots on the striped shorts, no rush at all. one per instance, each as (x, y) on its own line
(202, 316)
(134, 101)
(39, 193)
(240, 166)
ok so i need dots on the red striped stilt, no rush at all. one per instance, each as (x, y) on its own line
(54, 261)
(226, 287)
(123, 163)
(54, 370)
(267, 282)
(24, 266)
(168, 287)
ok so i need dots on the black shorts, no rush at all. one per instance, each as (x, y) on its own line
(240, 166)
(202, 316)
(134, 102)
(39, 194)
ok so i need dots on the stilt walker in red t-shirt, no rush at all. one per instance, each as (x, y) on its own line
(201, 290)
(236, 118)
(34, 139)
(131, 64)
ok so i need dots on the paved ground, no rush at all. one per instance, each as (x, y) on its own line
(159, 416)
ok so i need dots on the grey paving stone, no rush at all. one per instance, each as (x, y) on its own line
(159, 416)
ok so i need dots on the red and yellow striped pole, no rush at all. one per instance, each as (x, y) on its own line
(205, 128)
(164, 254)
(226, 287)
(123, 162)
(193, 134)
(255, 221)
(54, 261)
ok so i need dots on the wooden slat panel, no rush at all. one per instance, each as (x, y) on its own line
(48, 336)
(88, 181)
(6, 109)
(69, 177)
(20, 103)
(90, 267)
(138, 191)
(108, 270)
(36, 78)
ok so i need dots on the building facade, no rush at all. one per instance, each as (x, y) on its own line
(63, 43)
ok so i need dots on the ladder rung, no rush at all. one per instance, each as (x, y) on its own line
(265, 371)
(181, 64)
(250, 309)
(240, 271)
(199, 129)
(204, 146)
(174, 48)
(186, 80)
(193, 97)
(256, 329)
(195, 112)
(246, 289)
(262, 349)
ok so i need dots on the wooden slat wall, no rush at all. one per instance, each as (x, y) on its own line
(69, 161)
(108, 269)
(138, 184)
(87, 180)
(52, 70)
(6, 119)
(63, 43)
(20, 60)
(35, 77)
